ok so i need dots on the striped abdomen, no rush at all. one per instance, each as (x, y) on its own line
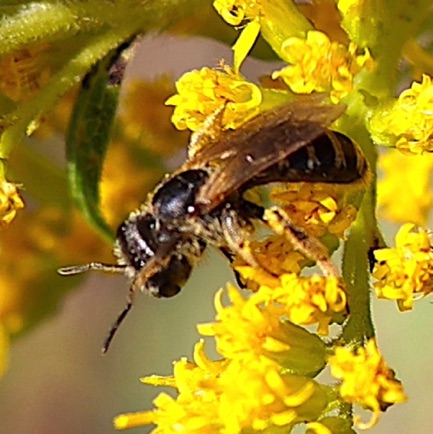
(331, 158)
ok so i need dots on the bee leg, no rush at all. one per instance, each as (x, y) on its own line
(231, 257)
(280, 223)
(235, 235)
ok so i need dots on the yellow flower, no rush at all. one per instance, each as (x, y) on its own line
(10, 202)
(229, 397)
(406, 177)
(276, 20)
(249, 330)
(318, 65)
(405, 272)
(366, 379)
(319, 209)
(308, 300)
(24, 72)
(257, 396)
(408, 123)
(195, 410)
(202, 92)
(276, 255)
(234, 12)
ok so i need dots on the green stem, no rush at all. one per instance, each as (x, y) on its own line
(359, 326)
(39, 23)
(363, 237)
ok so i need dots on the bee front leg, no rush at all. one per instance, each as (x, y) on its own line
(279, 221)
(236, 234)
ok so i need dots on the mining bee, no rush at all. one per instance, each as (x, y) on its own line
(203, 201)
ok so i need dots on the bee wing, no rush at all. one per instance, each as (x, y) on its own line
(242, 154)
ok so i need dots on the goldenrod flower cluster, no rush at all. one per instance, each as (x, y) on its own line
(202, 92)
(10, 202)
(332, 71)
(265, 379)
(404, 273)
(366, 379)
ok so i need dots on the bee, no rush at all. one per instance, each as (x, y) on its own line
(202, 203)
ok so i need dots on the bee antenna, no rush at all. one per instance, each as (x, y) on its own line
(99, 266)
(129, 303)
(115, 326)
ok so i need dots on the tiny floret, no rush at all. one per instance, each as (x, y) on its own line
(366, 379)
(234, 12)
(317, 209)
(408, 123)
(10, 202)
(404, 272)
(202, 92)
(316, 64)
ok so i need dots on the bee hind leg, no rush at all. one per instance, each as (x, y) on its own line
(280, 223)
(231, 258)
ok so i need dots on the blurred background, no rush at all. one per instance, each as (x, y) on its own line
(58, 382)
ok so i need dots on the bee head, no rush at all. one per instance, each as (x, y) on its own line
(153, 255)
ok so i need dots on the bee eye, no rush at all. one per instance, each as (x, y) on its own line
(170, 280)
(145, 226)
(137, 241)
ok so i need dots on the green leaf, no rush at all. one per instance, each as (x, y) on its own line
(89, 134)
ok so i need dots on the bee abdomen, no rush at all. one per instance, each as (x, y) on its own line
(330, 158)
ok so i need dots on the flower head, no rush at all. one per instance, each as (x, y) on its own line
(10, 202)
(250, 330)
(366, 379)
(319, 209)
(405, 271)
(308, 300)
(234, 12)
(318, 65)
(195, 409)
(276, 255)
(229, 396)
(408, 123)
(202, 92)
(258, 396)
